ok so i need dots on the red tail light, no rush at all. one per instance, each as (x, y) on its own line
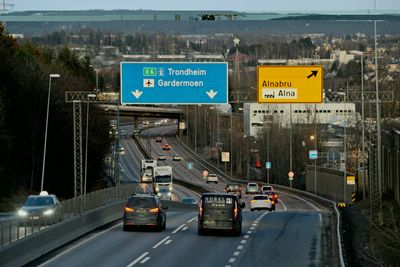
(154, 210)
(235, 211)
(200, 209)
(128, 210)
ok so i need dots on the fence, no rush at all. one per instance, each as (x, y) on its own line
(15, 228)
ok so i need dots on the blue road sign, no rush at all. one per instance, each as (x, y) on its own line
(174, 83)
(313, 154)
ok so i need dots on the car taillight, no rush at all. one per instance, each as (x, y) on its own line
(154, 210)
(200, 209)
(128, 210)
(235, 211)
(266, 200)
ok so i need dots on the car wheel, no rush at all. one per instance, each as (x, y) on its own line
(164, 226)
(251, 210)
(125, 228)
(238, 232)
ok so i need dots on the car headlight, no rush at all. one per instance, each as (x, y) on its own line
(170, 188)
(159, 194)
(48, 212)
(22, 213)
(169, 194)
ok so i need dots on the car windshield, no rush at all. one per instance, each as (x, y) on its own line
(162, 179)
(142, 202)
(163, 190)
(252, 185)
(39, 201)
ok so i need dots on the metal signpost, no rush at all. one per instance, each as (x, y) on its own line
(174, 83)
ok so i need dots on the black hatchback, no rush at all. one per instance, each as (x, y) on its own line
(220, 212)
(144, 210)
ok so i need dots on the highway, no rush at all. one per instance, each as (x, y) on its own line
(296, 234)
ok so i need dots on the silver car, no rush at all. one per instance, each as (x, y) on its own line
(42, 209)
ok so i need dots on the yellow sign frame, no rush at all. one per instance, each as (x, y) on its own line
(290, 84)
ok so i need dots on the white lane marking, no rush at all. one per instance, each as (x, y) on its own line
(249, 232)
(240, 247)
(191, 220)
(320, 218)
(169, 241)
(138, 259)
(254, 225)
(232, 260)
(236, 253)
(284, 206)
(122, 168)
(145, 260)
(246, 236)
(162, 241)
(78, 245)
(179, 228)
(243, 241)
(184, 228)
(252, 228)
(227, 266)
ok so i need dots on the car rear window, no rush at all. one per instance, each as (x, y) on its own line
(251, 185)
(260, 197)
(142, 202)
(218, 201)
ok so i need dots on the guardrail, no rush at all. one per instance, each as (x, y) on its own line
(15, 229)
(323, 201)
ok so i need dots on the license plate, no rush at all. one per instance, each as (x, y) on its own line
(35, 217)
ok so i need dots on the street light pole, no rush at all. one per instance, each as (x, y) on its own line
(316, 149)
(47, 123)
(231, 153)
(290, 145)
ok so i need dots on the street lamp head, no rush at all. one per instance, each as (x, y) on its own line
(54, 75)
(312, 137)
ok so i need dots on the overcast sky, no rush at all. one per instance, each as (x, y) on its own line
(236, 5)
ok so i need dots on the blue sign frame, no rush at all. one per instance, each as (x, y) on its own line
(174, 83)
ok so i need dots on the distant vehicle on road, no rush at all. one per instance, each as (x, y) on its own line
(162, 178)
(164, 193)
(252, 188)
(144, 210)
(159, 139)
(261, 202)
(147, 170)
(166, 147)
(162, 157)
(177, 158)
(220, 212)
(189, 200)
(212, 178)
(42, 209)
(266, 188)
(273, 196)
(234, 188)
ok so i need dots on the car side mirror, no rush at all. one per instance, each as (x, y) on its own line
(242, 205)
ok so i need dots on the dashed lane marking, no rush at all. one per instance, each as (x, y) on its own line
(138, 259)
(179, 228)
(191, 220)
(240, 247)
(162, 241)
(232, 260)
(184, 228)
(236, 253)
(145, 260)
(169, 241)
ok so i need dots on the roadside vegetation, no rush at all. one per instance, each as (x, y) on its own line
(24, 85)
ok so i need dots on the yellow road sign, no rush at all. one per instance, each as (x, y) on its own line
(351, 180)
(289, 84)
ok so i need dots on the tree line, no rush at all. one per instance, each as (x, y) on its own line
(24, 86)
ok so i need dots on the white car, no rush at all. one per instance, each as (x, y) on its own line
(266, 188)
(261, 202)
(252, 188)
(212, 178)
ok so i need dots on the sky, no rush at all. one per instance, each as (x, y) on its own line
(236, 5)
